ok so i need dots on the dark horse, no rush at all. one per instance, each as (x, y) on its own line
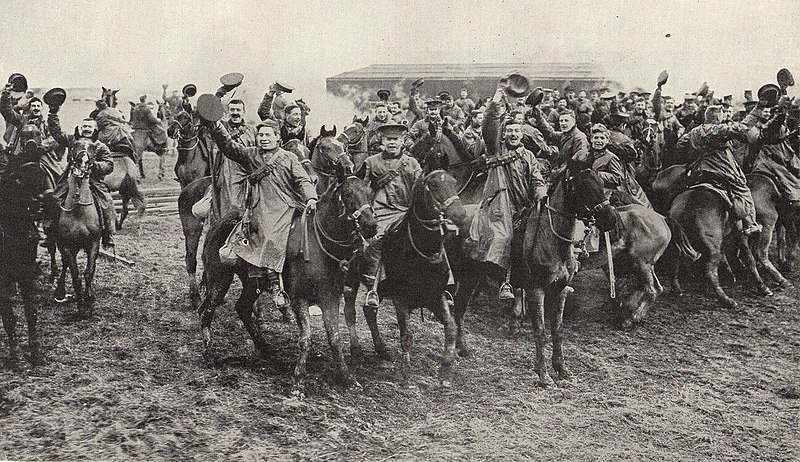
(78, 228)
(354, 137)
(417, 269)
(21, 188)
(318, 245)
(550, 257)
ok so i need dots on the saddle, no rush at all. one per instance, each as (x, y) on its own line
(716, 189)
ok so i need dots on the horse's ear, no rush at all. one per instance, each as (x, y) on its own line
(131, 103)
(366, 120)
(322, 130)
(355, 118)
(114, 92)
(334, 131)
(105, 90)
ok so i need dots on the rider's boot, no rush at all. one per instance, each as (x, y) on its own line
(506, 289)
(750, 227)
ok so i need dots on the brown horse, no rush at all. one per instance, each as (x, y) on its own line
(770, 210)
(328, 157)
(417, 270)
(313, 266)
(122, 179)
(354, 137)
(194, 149)
(79, 228)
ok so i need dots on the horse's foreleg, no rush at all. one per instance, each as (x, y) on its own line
(350, 318)
(450, 333)
(191, 242)
(77, 287)
(51, 250)
(300, 306)
(124, 214)
(26, 289)
(329, 303)
(9, 320)
(371, 316)
(464, 294)
(161, 172)
(61, 291)
(539, 337)
(647, 283)
(557, 331)
(88, 276)
(140, 162)
(406, 338)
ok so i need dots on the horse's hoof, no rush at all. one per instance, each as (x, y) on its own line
(65, 299)
(765, 292)
(356, 355)
(349, 383)
(627, 324)
(545, 381)
(446, 384)
(384, 354)
(298, 392)
(37, 359)
(729, 303)
(786, 285)
(564, 373)
(465, 352)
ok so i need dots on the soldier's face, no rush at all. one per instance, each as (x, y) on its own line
(236, 112)
(381, 113)
(36, 108)
(594, 96)
(513, 135)
(463, 94)
(477, 120)
(519, 118)
(394, 108)
(87, 128)
(392, 144)
(556, 94)
(669, 104)
(566, 122)
(599, 141)
(562, 104)
(581, 95)
(433, 111)
(267, 138)
(294, 117)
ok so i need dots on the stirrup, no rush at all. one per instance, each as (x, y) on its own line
(506, 291)
(281, 299)
(449, 299)
(752, 229)
(372, 300)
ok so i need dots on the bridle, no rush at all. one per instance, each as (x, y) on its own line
(328, 171)
(350, 142)
(324, 238)
(183, 127)
(588, 218)
(440, 223)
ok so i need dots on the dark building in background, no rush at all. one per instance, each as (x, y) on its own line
(480, 79)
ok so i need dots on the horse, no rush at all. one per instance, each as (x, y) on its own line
(328, 156)
(649, 162)
(20, 190)
(194, 149)
(122, 180)
(708, 221)
(769, 213)
(143, 142)
(416, 269)
(79, 228)
(548, 252)
(317, 245)
(316, 268)
(193, 227)
(354, 137)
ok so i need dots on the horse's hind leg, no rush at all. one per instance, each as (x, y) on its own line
(192, 232)
(350, 294)
(244, 307)
(762, 256)
(406, 337)
(9, 319)
(712, 277)
(464, 294)
(124, 214)
(329, 302)
(71, 258)
(51, 250)
(61, 292)
(161, 164)
(300, 306)
(219, 279)
(752, 268)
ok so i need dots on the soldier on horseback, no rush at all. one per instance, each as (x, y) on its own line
(102, 165)
(780, 163)
(274, 185)
(514, 185)
(143, 119)
(615, 174)
(52, 160)
(391, 175)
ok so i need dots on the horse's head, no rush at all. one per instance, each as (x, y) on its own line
(436, 198)
(82, 158)
(587, 198)
(182, 127)
(353, 134)
(303, 154)
(329, 155)
(354, 197)
(109, 96)
(29, 141)
(363, 121)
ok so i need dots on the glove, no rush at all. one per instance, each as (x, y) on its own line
(311, 205)
(54, 109)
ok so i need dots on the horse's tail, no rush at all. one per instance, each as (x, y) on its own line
(681, 241)
(129, 188)
(215, 239)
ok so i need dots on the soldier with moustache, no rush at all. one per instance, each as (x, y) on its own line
(380, 119)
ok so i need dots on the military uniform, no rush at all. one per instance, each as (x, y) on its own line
(145, 124)
(103, 165)
(466, 105)
(572, 144)
(52, 161)
(618, 175)
(781, 163)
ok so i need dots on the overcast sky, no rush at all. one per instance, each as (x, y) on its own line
(141, 44)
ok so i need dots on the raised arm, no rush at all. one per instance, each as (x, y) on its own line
(491, 123)
(103, 163)
(7, 108)
(231, 149)
(265, 108)
(54, 126)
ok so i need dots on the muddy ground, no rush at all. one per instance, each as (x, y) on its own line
(694, 382)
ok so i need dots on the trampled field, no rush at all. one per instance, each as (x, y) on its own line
(694, 382)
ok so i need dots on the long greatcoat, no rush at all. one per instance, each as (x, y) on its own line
(274, 199)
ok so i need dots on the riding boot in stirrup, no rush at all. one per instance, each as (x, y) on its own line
(749, 228)
(506, 291)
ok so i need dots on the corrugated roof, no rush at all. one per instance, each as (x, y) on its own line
(577, 71)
